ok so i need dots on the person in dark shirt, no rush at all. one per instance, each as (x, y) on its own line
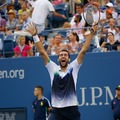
(115, 104)
(41, 105)
(111, 45)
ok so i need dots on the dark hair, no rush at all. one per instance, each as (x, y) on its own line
(40, 87)
(111, 33)
(79, 17)
(80, 5)
(64, 50)
(58, 35)
(9, 5)
(75, 34)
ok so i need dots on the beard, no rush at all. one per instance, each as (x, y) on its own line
(64, 65)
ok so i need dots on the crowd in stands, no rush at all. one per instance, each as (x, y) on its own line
(74, 31)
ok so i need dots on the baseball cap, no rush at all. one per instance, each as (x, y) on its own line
(109, 4)
(118, 87)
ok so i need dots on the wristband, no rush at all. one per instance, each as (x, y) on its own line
(36, 38)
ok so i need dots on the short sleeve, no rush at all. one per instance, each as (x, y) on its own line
(76, 68)
(50, 5)
(16, 50)
(51, 67)
(28, 47)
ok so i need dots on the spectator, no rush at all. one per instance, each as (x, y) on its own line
(23, 9)
(78, 24)
(112, 28)
(112, 44)
(17, 4)
(2, 24)
(22, 50)
(41, 9)
(12, 23)
(41, 105)
(26, 20)
(110, 6)
(115, 104)
(79, 11)
(73, 46)
(10, 6)
(55, 49)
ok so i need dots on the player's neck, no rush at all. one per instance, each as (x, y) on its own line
(63, 68)
(39, 97)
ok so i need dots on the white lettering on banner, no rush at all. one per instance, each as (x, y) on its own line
(7, 116)
(94, 94)
(12, 74)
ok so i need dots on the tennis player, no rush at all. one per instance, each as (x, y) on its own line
(63, 78)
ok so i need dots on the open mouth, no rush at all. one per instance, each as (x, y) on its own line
(63, 60)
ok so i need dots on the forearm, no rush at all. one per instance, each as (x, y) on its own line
(57, 14)
(84, 48)
(41, 49)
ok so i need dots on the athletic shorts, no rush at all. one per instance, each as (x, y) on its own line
(67, 113)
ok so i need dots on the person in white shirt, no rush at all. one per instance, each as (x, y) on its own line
(63, 78)
(79, 11)
(41, 9)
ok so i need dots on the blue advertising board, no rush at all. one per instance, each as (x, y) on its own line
(97, 79)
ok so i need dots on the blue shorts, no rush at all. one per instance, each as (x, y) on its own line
(67, 113)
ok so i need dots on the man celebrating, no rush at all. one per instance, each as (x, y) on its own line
(63, 78)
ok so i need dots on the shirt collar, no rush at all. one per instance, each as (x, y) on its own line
(59, 68)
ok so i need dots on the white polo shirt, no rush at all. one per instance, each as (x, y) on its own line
(63, 84)
(41, 10)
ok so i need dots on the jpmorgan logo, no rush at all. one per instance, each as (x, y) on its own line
(94, 96)
(7, 116)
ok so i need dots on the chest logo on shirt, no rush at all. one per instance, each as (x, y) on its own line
(41, 103)
(114, 103)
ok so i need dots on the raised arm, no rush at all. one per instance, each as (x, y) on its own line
(31, 29)
(86, 44)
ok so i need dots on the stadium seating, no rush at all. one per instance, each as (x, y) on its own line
(8, 46)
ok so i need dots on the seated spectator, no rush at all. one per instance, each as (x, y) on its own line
(112, 44)
(73, 45)
(23, 9)
(110, 6)
(26, 20)
(17, 4)
(12, 23)
(112, 28)
(78, 24)
(10, 7)
(79, 11)
(51, 44)
(22, 50)
(2, 24)
(55, 49)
